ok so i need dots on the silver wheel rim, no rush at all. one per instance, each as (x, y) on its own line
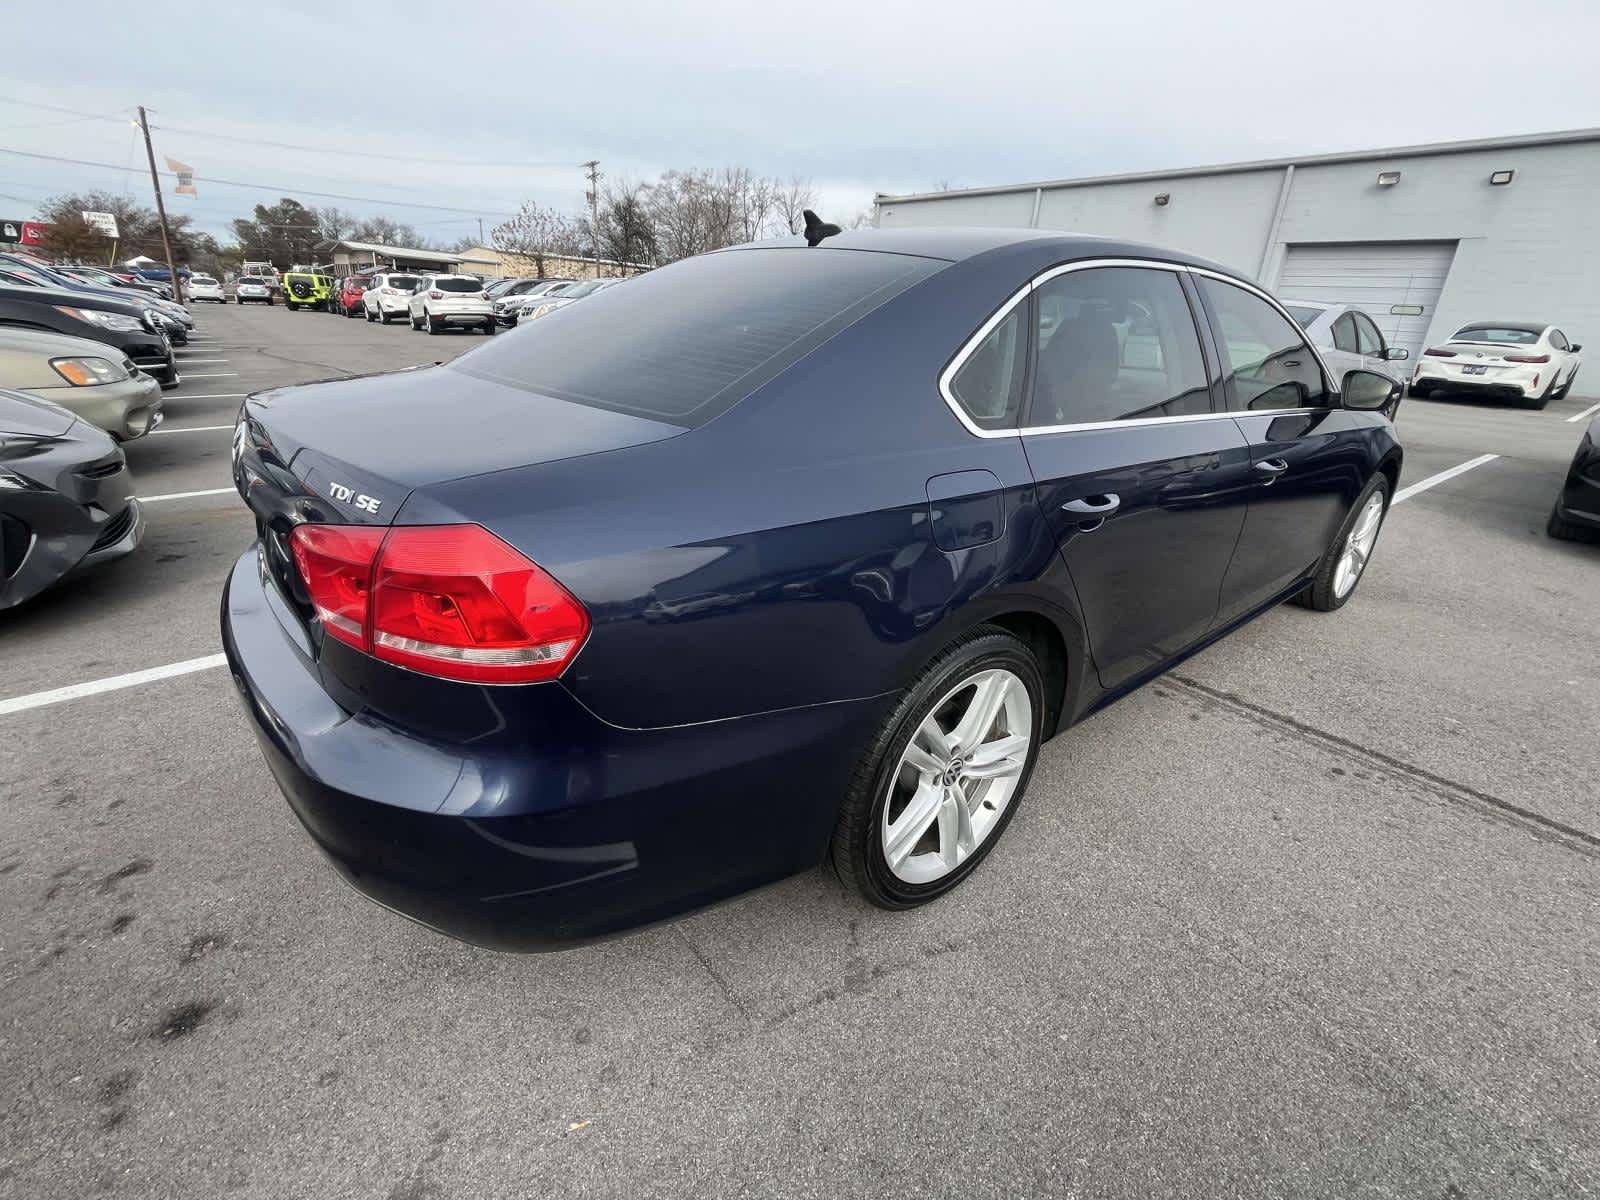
(957, 776)
(1358, 546)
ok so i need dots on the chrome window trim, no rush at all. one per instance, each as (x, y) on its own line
(1000, 314)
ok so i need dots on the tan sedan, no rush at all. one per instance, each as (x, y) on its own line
(95, 381)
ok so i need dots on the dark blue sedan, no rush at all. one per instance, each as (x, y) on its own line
(778, 553)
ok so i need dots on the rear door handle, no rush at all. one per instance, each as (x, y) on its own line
(1094, 506)
(1271, 468)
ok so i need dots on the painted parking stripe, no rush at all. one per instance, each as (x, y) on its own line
(189, 495)
(1423, 485)
(114, 683)
(190, 429)
(1585, 414)
(202, 362)
(207, 395)
(215, 375)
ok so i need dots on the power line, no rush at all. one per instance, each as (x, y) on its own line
(282, 189)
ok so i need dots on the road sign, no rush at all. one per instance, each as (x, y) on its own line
(10, 230)
(14, 231)
(105, 222)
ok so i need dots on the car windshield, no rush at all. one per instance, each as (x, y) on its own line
(458, 285)
(687, 342)
(582, 289)
(1503, 335)
(206, 279)
(1302, 314)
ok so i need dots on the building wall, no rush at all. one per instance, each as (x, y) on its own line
(1526, 251)
(498, 264)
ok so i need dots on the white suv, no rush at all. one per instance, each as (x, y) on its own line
(444, 300)
(388, 295)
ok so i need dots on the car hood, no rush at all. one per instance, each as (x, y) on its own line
(29, 416)
(379, 437)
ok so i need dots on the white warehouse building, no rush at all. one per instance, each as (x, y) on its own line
(1423, 238)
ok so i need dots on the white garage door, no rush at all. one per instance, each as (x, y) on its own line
(1396, 283)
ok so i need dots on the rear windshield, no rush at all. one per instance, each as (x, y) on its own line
(1505, 335)
(1304, 315)
(201, 279)
(402, 281)
(251, 279)
(689, 341)
(458, 285)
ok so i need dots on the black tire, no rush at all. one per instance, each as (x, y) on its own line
(433, 326)
(1418, 390)
(1568, 531)
(857, 846)
(489, 327)
(1539, 401)
(1320, 595)
(238, 300)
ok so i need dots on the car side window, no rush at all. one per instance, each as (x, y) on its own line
(989, 384)
(1367, 336)
(1559, 340)
(1344, 334)
(1115, 344)
(1267, 364)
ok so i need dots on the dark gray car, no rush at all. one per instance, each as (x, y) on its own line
(66, 500)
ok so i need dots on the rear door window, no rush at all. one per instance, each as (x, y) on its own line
(1266, 362)
(1115, 344)
(686, 342)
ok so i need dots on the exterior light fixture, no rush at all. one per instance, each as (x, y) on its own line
(1388, 178)
(1163, 199)
(1501, 178)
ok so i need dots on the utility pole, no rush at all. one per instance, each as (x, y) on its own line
(161, 208)
(594, 211)
(480, 231)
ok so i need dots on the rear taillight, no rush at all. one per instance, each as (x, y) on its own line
(1527, 358)
(447, 600)
(435, 295)
(1440, 353)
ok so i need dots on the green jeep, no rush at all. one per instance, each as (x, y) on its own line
(307, 289)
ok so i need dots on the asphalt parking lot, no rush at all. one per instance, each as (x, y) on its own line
(1316, 915)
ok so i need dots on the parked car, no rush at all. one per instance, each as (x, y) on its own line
(174, 319)
(252, 289)
(442, 301)
(388, 295)
(568, 295)
(306, 289)
(498, 288)
(346, 299)
(118, 280)
(130, 328)
(507, 309)
(66, 501)
(772, 554)
(99, 385)
(206, 287)
(1576, 515)
(1529, 362)
(1348, 338)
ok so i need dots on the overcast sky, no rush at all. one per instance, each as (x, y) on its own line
(501, 102)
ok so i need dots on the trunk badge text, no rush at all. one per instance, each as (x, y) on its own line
(346, 495)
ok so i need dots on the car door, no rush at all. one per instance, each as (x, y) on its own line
(1307, 470)
(1374, 350)
(1561, 353)
(1142, 481)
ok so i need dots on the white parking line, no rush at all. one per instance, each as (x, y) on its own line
(215, 375)
(201, 362)
(190, 429)
(114, 683)
(188, 495)
(1588, 412)
(208, 395)
(1423, 485)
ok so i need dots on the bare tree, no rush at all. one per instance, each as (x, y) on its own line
(697, 210)
(626, 234)
(535, 234)
(793, 199)
(334, 224)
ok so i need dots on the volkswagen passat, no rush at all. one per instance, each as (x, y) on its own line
(775, 553)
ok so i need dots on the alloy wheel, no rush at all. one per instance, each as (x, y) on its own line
(957, 775)
(1358, 546)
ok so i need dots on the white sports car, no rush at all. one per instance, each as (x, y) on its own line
(1522, 361)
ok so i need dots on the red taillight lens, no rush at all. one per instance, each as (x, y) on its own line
(435, 295)
(447, 600)
(1440, 353)
(335, 562)
(1528, 358)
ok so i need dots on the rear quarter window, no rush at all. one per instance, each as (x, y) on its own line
(687, 342)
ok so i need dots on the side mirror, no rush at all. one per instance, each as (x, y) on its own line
(1370, 392)
(1574, 348)
(1397, 354)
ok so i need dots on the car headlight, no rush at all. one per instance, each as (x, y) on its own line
(105, 320)
(86, 372)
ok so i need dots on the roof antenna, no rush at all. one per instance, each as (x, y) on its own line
(817, 228)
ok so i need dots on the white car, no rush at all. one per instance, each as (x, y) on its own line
(541, 306)
(444, 300)
(205, 287)
(252, 289)
(1348, 338)
(1523, 361)
(388, 296)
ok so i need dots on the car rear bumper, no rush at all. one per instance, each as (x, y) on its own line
(1517, 383)
(575, 831)
(461, 316)
(1579, 501)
